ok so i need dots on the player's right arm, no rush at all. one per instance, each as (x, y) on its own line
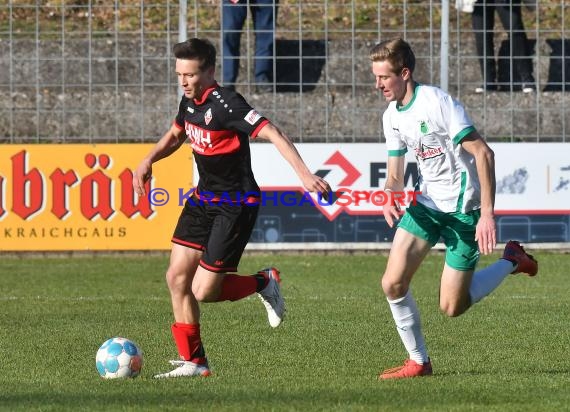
(394, 183)
(167, 145)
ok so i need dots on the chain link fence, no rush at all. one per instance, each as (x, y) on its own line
(102, 71)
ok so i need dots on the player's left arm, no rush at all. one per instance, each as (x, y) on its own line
(311, 182)
(485, 232)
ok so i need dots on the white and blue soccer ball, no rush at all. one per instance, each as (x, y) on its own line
(119, 358)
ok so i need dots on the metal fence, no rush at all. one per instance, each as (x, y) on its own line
(102, 71)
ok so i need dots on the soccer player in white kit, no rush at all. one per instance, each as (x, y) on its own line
(457, 185)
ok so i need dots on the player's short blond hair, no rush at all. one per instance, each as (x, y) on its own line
(396, 51)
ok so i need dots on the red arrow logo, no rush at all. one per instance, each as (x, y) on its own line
(352, 174)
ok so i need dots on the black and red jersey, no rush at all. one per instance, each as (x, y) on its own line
(218, 127)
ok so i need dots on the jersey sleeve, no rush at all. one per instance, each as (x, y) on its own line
(455, 119)
(394, 143)
(244, 118)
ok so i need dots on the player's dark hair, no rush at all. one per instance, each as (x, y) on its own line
(397, 51)
(196, 49)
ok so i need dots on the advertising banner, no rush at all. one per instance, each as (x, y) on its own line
(80, 197)
(531, 178)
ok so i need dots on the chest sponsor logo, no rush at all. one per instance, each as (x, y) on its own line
(199, 138)
(424, 152)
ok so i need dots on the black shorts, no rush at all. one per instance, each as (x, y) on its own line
(220, 230)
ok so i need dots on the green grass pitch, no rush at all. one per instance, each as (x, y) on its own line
(507, 353)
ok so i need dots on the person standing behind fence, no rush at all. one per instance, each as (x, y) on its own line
(483, 20)
(457, 186)
(234, 13)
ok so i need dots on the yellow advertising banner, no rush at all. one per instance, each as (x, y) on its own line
(81, 197)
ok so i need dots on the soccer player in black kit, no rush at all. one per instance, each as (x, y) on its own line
(216, 222)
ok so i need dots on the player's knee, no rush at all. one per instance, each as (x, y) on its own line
(203, 294)
(393, 289)
(200, 294)
(174, 279)
(453, 309)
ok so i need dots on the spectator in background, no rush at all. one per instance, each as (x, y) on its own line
(234, 13)
(483, 20)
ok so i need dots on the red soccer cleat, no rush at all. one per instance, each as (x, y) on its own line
(410, 369)
(524, 263)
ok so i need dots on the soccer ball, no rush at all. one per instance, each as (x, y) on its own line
(119, 358)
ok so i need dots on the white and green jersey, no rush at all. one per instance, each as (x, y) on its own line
(433, 125)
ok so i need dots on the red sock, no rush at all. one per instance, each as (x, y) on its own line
(236, 287)
(188, 342)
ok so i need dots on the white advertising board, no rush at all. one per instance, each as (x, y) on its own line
(531, 178)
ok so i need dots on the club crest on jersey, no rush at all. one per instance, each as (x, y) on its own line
(424, 127)
(208, 116)
(252, 117)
